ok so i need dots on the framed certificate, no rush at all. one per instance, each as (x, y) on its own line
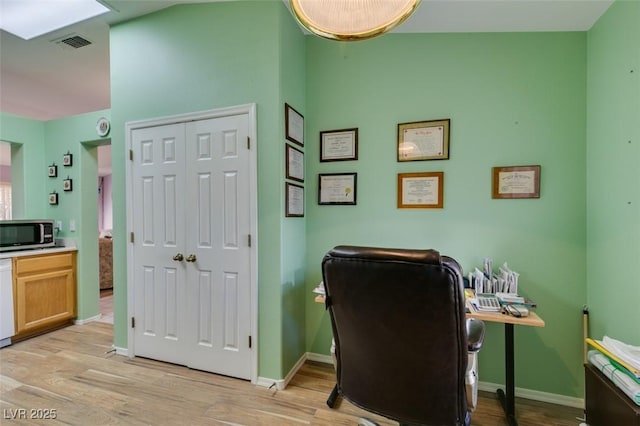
(294, 125)
(295, 164)
(339, 145)
(294, 196)
(337, 188)
(423, 140)
(516, 182)
(420, 190)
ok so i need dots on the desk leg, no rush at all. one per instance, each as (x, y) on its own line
(509, 400)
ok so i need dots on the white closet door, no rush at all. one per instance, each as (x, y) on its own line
(217, 235)
(191, 254)
(161, 328)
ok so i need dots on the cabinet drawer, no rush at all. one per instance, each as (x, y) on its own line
(29, 264)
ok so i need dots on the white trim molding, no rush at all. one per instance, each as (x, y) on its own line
(534, 395)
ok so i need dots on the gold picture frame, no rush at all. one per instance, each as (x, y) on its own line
(424, 140)
(421, 190)
(516, 182)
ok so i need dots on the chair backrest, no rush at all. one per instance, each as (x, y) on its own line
(398, 319)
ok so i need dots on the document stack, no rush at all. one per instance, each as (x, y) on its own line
(486, 281)
(619, 362)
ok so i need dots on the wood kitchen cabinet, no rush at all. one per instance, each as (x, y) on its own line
(44, 289)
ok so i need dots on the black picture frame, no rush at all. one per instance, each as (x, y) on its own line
(53, 199)
(337, 189)
(52, 171)
(294, 200)
(294, 164)
(67, 185)
(294, 125)
(67, 160)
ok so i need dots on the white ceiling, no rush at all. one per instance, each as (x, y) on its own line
(41, 80)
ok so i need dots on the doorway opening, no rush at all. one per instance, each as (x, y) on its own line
(105, 233)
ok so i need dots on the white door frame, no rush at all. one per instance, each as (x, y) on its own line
(130, 127)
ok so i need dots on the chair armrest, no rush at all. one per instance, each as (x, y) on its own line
(475, 334)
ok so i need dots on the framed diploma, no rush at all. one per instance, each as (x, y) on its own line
(294, 196)
(423, 140)
(295, 164)
(516, 182)
(294, 125)
(339, 145)
(337, 188)
(420, 190)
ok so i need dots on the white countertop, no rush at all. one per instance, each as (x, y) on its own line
(36, 252)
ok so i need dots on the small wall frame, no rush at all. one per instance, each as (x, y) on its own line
(339, 145)
(52, 171)
(294, 163)
(420, 190)
(53, 198)
(67, 160)
(423, 140)
(67, 185)
(337, 188)
(516, 182)
(294, 125)
(294, 202)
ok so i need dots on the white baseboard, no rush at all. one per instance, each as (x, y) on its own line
(121, 351)
(87, 320)
(319, 358)
(282, 383)
(534, 395)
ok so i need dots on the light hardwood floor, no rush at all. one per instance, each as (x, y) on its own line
(74, 372)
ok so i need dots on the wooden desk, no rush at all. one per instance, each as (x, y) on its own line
(506, 398)
(533, 320)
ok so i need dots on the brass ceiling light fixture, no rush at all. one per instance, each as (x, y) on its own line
(351, 20)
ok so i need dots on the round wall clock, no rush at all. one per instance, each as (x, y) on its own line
(103, 127)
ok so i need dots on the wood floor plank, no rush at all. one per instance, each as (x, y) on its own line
(75, 372)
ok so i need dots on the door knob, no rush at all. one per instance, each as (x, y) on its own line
(178, 257)
(191, 258)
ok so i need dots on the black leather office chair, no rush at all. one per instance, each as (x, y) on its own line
(401, 336)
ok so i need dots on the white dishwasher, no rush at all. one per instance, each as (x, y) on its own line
(6, 303)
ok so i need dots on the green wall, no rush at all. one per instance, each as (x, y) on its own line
(613, 181)
(77, 136)
(513, 99)
(28, 168)
(206, 56)
(35, 146)
(294, 292)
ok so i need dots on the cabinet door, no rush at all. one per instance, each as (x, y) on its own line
(43, 299)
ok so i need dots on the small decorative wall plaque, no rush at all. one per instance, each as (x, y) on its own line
(53, 170)
(53, 198)
(67, 159)
(67, 184)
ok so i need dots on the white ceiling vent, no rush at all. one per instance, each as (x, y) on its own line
(72, 41)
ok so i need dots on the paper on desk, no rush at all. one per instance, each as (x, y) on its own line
(627, 353)
(319, 289)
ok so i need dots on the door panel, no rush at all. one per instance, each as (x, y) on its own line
(219, 159)
(158, 215)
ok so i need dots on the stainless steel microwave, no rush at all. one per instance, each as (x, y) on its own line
(26, 234)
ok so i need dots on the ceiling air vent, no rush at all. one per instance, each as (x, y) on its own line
(76, 42)
(71, 41)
